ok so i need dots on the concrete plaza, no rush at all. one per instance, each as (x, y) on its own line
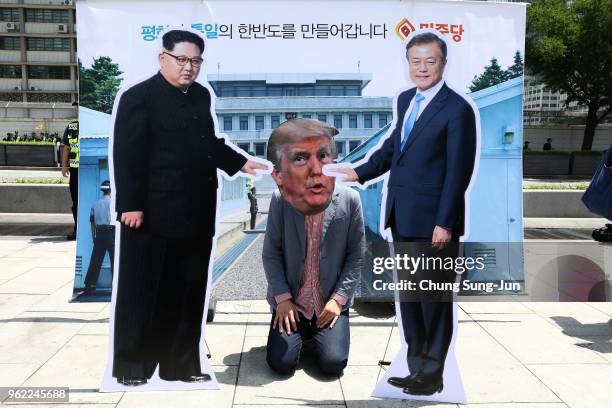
(516, 354)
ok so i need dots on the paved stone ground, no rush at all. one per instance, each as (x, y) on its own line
(535, 355)
(245, 280)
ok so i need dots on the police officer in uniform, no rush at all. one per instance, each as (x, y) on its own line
(252, 196)
(165, 160)
(70, 167)
(103, 233)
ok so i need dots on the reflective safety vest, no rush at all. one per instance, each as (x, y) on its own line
(73, 139)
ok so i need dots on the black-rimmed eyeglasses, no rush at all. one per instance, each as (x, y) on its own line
(182, 60)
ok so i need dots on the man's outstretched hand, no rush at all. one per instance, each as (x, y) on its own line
(346, 174)
(132, 219)
(251, 165)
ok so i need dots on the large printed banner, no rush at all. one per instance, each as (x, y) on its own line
(319, 44)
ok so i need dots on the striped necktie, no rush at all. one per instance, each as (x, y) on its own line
(411, 119)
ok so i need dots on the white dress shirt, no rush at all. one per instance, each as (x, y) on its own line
(428, 94)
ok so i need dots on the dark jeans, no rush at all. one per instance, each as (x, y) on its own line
(331, 345)
(74, 192)
(160, 304)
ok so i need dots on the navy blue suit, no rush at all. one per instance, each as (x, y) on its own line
(426, 187)
(427, 179)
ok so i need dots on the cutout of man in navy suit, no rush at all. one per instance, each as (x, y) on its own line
(430, 157)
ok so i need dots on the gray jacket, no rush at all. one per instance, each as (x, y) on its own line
(342, 247)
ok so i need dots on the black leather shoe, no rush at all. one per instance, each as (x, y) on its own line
(401, 382)
(132, 381)
(424, 385)
(197, 378)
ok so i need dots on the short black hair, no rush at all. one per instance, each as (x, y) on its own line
(173, 37)
(427, 38)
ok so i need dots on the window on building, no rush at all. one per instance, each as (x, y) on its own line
(353, 144)
(291, 91)
(48, 44)
(226, 92)
(48, 72)
(9, 14)
(260, 149)
(382, 119)
(336, 90)
(274, 121)
(244, 146)
(244, 122)
(353, 121)
(10, 43)
(259, 122)
(276, 91)
(321, 90)
(258, 91)
(321, 117)
(306, 91)
(352, 90)
(227, 123)
(306, 115)
(367, 120)
(49, 97)
(46, 16)
(243, 91)
(340, 148)
(10, 71)
(338, 121)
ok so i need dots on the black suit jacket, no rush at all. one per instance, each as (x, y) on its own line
(166, 156)
(429, 177)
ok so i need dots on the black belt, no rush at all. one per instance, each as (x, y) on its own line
(105, 227)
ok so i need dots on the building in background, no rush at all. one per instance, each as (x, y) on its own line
(249, 107)
(541, 106)
(38, 66)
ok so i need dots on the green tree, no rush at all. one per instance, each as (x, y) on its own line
(515, 70)
(493, 74)
(569, 47)
(99, 84)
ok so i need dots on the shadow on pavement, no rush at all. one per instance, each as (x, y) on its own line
(599, 335)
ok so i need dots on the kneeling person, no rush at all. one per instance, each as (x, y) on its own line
(313, 249)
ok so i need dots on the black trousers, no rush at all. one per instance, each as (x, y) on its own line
(74, 192)
(159, 305)
(104, 242)
(253, 218)
(428, 323)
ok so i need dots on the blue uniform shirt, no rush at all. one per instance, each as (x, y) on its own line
(100, 211)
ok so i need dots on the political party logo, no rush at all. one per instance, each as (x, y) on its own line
(404, 28)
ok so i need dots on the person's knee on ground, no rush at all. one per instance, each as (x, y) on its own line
(282, 362)
(332, 361)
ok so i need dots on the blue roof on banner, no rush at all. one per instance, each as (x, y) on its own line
(93, 124)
